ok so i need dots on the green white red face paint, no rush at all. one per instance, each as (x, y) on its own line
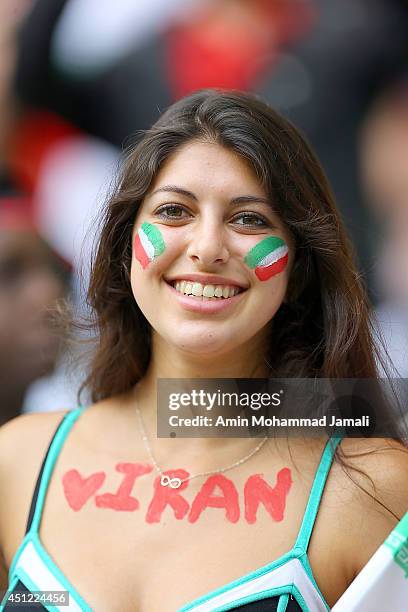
(268, 258)
(148, 244)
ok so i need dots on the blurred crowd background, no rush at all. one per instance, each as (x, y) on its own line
(78, 80)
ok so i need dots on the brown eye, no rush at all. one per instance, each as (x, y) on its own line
(250, 220)
(172, 212)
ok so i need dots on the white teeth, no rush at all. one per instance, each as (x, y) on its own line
(207, 291)
(197, 289)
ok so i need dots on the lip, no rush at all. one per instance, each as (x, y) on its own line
(206, 279)
(206, 306)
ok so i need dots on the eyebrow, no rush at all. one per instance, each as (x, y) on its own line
(244, 199)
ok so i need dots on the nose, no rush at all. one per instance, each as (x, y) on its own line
(208, 242)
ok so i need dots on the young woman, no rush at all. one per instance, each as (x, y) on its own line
(179, 291)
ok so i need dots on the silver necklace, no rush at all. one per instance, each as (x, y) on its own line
(175, 482)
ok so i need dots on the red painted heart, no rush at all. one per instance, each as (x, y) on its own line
(78, 489)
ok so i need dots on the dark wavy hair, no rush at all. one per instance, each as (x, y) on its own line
(324, 327)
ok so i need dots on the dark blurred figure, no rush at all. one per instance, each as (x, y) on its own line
(32, 278)
(384, 171)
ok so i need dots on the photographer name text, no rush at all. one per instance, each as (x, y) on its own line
(262, 421)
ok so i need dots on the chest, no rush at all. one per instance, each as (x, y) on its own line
(164, 566)
(172, 547)
(147, 548)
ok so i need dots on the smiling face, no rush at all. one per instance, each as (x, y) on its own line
(211, 259)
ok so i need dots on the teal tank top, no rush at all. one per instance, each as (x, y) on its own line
(284, 585)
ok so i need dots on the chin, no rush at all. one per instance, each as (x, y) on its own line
(211, 347)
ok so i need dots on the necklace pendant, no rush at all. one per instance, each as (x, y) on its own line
(174, 483)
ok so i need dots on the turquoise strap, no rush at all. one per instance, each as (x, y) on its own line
(283, 603)
(316, 493)
(52, 456)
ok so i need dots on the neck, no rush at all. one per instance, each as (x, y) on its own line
(166, 362)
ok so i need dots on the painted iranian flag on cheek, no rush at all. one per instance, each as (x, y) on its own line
(148, 244)
(268, 258)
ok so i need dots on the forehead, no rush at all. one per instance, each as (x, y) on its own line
(210, 166)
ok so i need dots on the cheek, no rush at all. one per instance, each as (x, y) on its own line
(268, 258)
(154, 246)
(148, 244)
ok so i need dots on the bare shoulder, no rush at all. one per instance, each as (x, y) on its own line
(365, 496)
(25, 438)
(380, 466)
(23, 444)
(372, 487)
